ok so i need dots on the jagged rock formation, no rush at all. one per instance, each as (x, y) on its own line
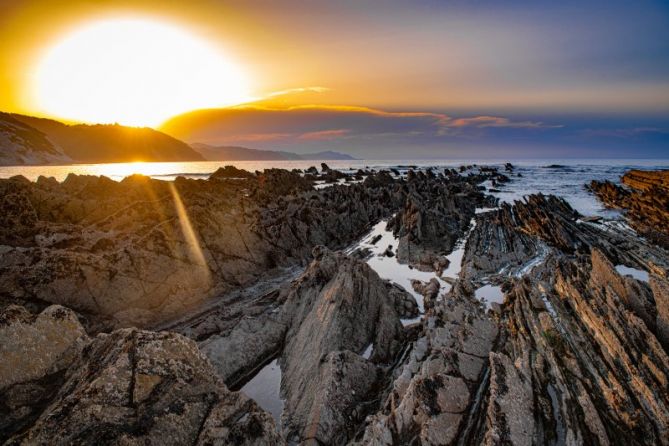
(646, 203)
(338, 308)
(434, 216)
(576, 353)
(319, 327)
(127, 387)
(143, 250)
(140, 251)
(438, 381)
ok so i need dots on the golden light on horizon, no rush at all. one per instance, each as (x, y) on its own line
(135, 72)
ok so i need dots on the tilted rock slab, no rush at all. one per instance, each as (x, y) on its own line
(337, 308)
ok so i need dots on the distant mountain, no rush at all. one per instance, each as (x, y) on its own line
(22, 144)
(327, 155)
(236, 153)
(111, 143)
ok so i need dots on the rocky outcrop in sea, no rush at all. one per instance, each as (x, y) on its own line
(644, 197)
(135, 311)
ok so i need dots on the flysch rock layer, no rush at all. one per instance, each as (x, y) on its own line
(338, 307)
(576, 353)
(645, 201)
(126, 387)
(142, 251)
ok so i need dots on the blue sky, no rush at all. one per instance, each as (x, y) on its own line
(437, 78)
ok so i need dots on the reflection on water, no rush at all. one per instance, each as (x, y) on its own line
(389, 268)
(638, 274)
(458, 253)
(265, 388)
(530, 176)
(490, 294)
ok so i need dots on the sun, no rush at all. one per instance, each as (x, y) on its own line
(135, 72)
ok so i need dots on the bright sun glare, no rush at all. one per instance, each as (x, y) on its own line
(134, 72)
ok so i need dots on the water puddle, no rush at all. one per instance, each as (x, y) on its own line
(484, 210)
(638, 274)
(458, 253)
(265, 388)
(490, 294)
(533, 263)
(549, 307)
(380, 240)
(560, 429)
(368, 351)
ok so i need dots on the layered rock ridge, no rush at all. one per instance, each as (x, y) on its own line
(126, 387)
(141, 251)
(576, 354)
(574, 350)
(644, 197)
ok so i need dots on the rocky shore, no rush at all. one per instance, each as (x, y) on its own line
(644, 196)
(132, 312)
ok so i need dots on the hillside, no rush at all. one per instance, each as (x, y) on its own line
(111, 143)
(236, 153)
(22, 144)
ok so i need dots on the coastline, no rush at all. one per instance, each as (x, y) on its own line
(428, 338)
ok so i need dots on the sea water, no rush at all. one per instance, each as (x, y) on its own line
(565, 178)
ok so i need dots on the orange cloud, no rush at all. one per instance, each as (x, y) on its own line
(314, 123)
(255, 137)
(496, 121)
(324, 135)
(299, 90)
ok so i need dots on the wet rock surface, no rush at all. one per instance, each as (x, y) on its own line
(576, 355)
(576, 352)
(645, 201)
(434, 216)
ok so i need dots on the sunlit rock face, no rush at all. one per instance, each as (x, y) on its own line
(646, 202)
(141, 251)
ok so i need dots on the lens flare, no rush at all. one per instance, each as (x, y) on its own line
(195, 250)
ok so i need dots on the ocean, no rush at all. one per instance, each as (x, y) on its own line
(565, 178)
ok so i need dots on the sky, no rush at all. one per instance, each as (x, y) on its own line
(390, 78)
